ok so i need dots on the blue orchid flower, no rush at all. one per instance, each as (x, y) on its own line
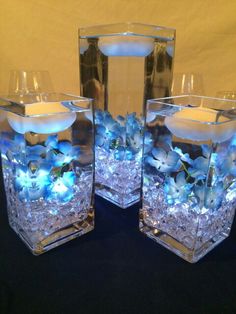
(13, 149)
(104, 137)
(183, 156)
(32, 184)
(210, 197)
(62, 188)
(35, 153)
(178, 190)
(133, 125)
(105, 119)
(199, 168)
(136, 141)
(123, 135)
(108, 130)
(64, 154)
(228, 164)
(124, 153)
(99, 116)
(121, 120)
(52, 142)
(163, 161)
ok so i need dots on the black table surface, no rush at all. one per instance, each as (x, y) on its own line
(113, 269)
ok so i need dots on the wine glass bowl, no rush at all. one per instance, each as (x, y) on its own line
(27, 82)
(187, 83)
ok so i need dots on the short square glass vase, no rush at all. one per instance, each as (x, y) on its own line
(46, 143)
(121, 66)
(189, 173)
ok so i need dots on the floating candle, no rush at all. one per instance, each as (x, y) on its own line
(42, 118)
(200, 124)
(126, 45)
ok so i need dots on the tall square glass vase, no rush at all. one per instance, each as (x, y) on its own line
(48, 167)
(189, 173)
(121, 66)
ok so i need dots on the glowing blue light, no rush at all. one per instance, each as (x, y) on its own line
(59, 187)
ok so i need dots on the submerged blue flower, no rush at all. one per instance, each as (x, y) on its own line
(31, 182)
(121, 120)
(62, 188)
(107, 130)
(52, 142)
(99, 116)
(163, 161)
(35, 153)
(133, 124)
(210, 197)
(64, 153)
(105, 137)
(123, 134)
(124, 153)
(136, 141)
(199, 168)
(228, 164)
(178, 190)
(183, 156)
(148, 142)
(13, 149)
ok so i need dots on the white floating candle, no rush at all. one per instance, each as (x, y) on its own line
(127, 45)
(200, 124)
(45, 120)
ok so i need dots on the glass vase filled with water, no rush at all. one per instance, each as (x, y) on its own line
(121, 66)
(189, 173)
(46, 143)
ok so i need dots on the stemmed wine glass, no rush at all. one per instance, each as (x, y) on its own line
(29, 82)
(187, 83)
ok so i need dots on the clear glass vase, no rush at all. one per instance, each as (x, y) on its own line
(47, 155)
(121, 66)
(189, 173)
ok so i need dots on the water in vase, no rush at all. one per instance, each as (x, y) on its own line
(189, 185)
(48, 180)
(120, 72)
